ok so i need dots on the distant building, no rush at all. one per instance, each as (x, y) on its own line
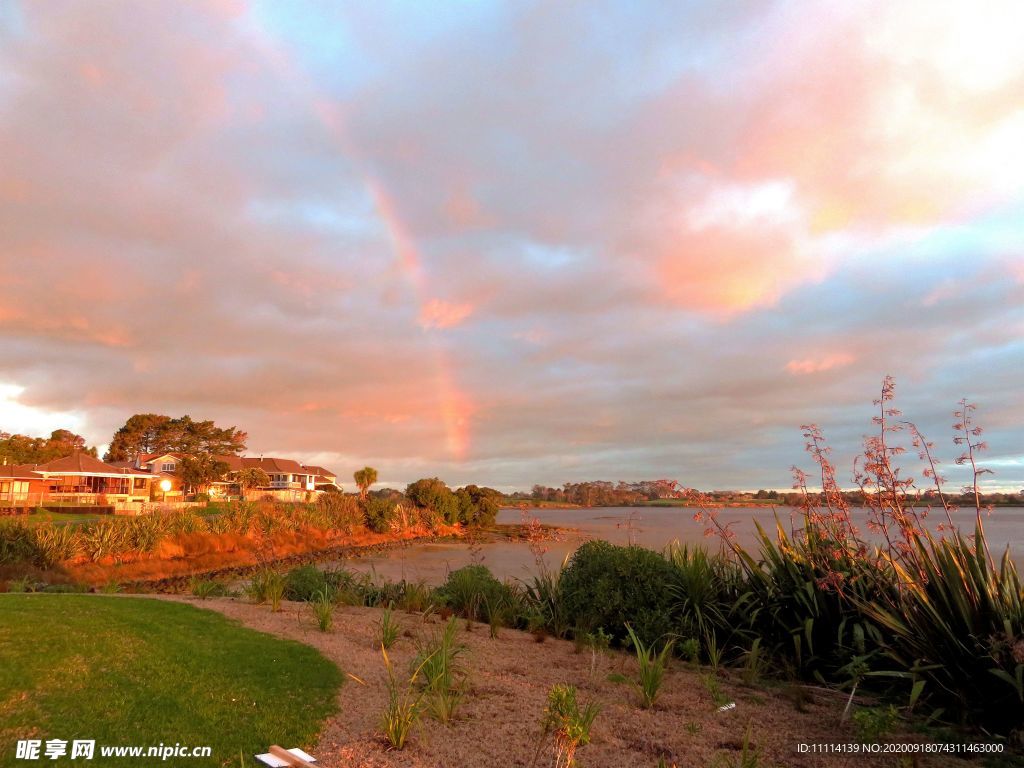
(80, 479)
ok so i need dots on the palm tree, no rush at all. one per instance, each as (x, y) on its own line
(364, 478)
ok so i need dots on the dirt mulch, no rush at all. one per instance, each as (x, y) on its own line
(498, 723)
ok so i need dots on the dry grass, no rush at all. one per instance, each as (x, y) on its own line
(499, 719)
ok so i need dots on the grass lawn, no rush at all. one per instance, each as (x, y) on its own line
(50, 516)
(135, 671)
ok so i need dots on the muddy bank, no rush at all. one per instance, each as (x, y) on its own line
(231, 557)
(217, 555)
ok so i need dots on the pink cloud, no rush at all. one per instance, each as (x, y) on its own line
(437, 313)
(817, 365)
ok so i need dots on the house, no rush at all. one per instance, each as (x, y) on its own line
(168, 485)
(324, 479)
(84, 479)
(20, 486)
(289, 480)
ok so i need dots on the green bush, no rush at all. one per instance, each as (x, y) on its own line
(431, 493)
(609, 587)
(379, 512)
(303, 583)
(469, 590)
(18, 544)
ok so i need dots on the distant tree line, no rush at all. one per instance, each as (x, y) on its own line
(602, 493)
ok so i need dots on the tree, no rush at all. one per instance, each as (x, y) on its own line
(197, 472)
(364, 478)
(251, 477)
(432, 493)
(20, 449)
(156, 433)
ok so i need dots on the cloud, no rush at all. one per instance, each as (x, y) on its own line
(437, 313)
(826, 363)
(657, 239)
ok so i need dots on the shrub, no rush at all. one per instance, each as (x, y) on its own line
(305, 583)
(56, 543)
(340, 511)
(468, 591)
(431, 493)
(415, 596)
(378, 513)
(18, 544)
(609, 586)
(709, 593)
(144, 532)
(104, 539)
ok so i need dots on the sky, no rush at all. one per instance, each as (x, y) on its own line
(516, 243)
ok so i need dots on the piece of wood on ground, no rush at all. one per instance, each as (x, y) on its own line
(279, 757)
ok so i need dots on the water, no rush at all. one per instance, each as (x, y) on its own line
(652, 527)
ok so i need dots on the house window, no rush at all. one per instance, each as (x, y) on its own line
(139, 483)
(167, 466)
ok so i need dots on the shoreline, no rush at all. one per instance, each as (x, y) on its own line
(173, 575)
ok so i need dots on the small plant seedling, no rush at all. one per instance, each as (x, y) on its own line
(569, 724)
(652, 668)
(206, 588)
(749, 756)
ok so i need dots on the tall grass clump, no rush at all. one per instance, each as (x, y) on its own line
(387, 629)
(468, 590)
(542, 598)
(711, 600)
(442, 672)
(403, 709)
(267, 586)
(56, 543)
(322, 606)
(651, 668)
(206, 588)
(18, 544)
(567, 723)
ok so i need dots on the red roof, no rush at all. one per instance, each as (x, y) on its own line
(19, 471)
(315, 470)
(80, 463)
(269, 464)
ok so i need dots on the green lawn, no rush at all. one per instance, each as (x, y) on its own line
(136, 671)
(51, 516)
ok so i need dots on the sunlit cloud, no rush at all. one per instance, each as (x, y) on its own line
(826, 363)
(643, 242)
(437, 313)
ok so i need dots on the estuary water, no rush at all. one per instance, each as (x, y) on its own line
(652, 527)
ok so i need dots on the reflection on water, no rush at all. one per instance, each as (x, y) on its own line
(652, 527)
